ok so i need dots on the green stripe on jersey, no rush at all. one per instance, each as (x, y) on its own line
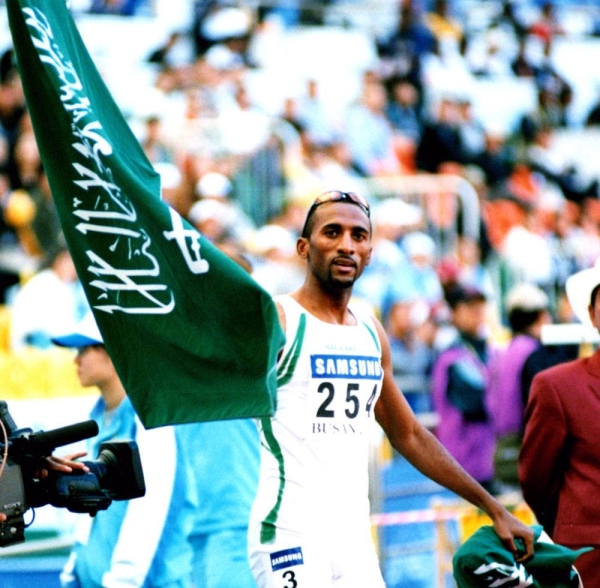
(288, 364)
(285, 372)
(268, 529)
(374, 335)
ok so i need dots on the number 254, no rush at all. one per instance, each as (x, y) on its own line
(352, 401)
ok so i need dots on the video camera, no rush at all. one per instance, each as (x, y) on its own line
(115, 475)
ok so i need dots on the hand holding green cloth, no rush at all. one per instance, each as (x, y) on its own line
(483, 561)
(192, 336)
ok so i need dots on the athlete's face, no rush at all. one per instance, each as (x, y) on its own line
(339, 245)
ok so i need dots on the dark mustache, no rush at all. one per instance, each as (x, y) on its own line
(344, 258)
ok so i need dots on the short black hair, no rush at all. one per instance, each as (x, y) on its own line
(309, 223)
(520, 319)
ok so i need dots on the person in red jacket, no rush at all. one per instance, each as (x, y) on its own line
(559, 464)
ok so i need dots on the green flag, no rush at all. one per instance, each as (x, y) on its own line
(191, 334)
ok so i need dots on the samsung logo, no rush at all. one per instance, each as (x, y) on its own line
(286, 558)
(345, 366)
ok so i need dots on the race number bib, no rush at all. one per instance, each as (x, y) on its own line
(342, 393)
(288, 570)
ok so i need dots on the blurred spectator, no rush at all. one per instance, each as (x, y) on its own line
(578, 231)
(401, 52)
(496, 160)
(291, 216)
(411, 354)
(440, 141)
(390, 269)
(546, 26)
(173, 53)
(508, 20)
(313, 114)
(217, 189)
(528, 309)
(201, 11)
(213, 219)
(543, 160)
(471, 131)
(442, 23)
(47, 303)
(446, 73)
(549, 79)
(230, 31)
(471, 270)
(421, 252)
(592, 118)
(404, 113)
(154, 143)
(12, 109)
(459, 387)
(275, 263)
(403, 110)
(369, 134)
(16, 213)
(119, 7)
(546, 114)
(537, 266)
(491, 55)
(522, 65)
(33, 216)
(244, 127)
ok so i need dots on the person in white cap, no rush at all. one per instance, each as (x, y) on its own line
(140, 542)
(559, 464)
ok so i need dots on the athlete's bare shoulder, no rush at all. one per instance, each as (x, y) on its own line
(280, 314)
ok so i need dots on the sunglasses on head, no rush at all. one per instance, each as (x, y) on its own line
(337, 196)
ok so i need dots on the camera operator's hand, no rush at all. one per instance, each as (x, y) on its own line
(64, 464)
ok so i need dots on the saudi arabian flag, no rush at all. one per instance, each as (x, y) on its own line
(191, 334)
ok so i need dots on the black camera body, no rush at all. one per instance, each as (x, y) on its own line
(116, 474)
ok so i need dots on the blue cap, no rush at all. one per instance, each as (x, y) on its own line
(85, 333)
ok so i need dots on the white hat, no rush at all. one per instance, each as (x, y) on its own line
(419, 243)
(579, 289)
(209, 209)
(396, 212)
(270, 237)
(222, 58)
(85, 333)
(213, 185)
(527, 297)
(226, 23)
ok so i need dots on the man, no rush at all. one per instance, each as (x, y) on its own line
(559, 464)
(310, 522)
(141, 542)
(460, 387)
(528, 309)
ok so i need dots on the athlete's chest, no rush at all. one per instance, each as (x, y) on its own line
(337, 380)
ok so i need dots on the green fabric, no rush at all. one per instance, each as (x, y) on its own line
(482, 561)
(191, 334)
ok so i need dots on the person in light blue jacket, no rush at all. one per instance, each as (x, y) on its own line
(144, 542)
(223, 457)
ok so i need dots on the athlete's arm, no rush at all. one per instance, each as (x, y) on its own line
(420, 447)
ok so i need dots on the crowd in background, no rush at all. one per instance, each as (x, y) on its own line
(203, 117)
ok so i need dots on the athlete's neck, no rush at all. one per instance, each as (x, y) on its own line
(325, 307)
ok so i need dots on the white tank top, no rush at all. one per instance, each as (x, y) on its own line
(315, 450)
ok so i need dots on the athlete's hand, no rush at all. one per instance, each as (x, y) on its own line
(516, 535)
